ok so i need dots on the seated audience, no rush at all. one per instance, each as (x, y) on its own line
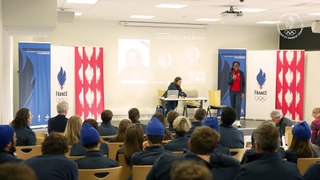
(106, 128)
(94, 158)
(201, 145)
(155, 134)
(78, 149)
(181, 126)
(268, 164)
(7, 145)
(134, 116)
(199, 115)
(13, 171)
(53, 165)
(133, 141)
(281, 122)
(162, 118)
(312, 172)
(315, 125)
(301, 146)
(72, 132)
(231, 137)
(25, 136)
(123, 125)
(171, 116)
(59, 122)
(190, 170)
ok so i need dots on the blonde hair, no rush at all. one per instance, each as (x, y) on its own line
(72, 131)
(181, 124)
(316, 112)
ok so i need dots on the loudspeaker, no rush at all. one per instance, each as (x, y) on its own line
(65, 16)
(315, 27)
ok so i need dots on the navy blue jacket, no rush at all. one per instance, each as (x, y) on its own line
(251, 155)
(242, 81)
(78, 150)
(269, 166)
(171, 105)
(57, 123)
(179, 143)
(222, 167)
(194, 124)
(292, 156)
(231, 137)
(148, 156)
(53, 167)
(6, 156)
(25, 137)
(312, 172)
(221, 150)
(107, 129)
(96, 160)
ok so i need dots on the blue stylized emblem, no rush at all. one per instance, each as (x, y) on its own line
(261, 78)
(62, 76)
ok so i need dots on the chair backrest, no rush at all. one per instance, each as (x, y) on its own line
(239, 153)
(126, 169)
(113, 148)
(140, 171)
(40, 134)
(73, 158)
(214, 97)
(288, 134)
(106, 139)
(96, 174)
(304, 163)
(26, 152)
(39, 140)
(178, 153)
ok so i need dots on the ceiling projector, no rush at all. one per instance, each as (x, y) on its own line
(232, 12)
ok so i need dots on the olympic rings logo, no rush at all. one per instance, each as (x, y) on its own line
(290, 32)
(60, 99)
(260, 98)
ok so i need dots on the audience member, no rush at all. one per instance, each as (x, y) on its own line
(190, 170)
(315, 125)
(78, 149)
(53, 165)
(280, 121)
(72, 131)
(301, 146)
(133, 141)
(7, 144)
(59, 122)
(25, 136)
(231, 137)
(134, 116)
(181, 126)
(199, 115)
(162, 118)
(312, 172)
(13, 171)
(94, 158)
(155, 134)
(171, 116)
(123, 125)
(268, 164)
(201, 145)
(106, 128)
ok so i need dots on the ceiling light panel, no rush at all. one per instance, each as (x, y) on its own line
(208, 19)
(268, 22)
(82, 1)
(141, 17)
(252, 10)
(171, 6)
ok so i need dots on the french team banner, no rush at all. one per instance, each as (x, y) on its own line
(226, 57)
(34, 80)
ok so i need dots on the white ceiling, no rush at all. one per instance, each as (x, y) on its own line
(121, 10)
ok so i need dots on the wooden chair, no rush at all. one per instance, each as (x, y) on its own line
(97, 174)
(113, 148)
(215, 101)
(126, 169)
(178, 153)
(288, 134)
(40, 134)
(238, 153)
(26, 152)
(304, 163)
(73, 158)
(165, 141)
(39, 140)
(106, 139)
(140, 172)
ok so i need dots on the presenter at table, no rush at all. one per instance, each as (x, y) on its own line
(175, 85)
(237, 88)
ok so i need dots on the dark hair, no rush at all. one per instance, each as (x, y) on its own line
(134, 114)
(155, 139)
(203, 140)
(171, 116)
(55, 143)
(123, 125)
(200, 114)
(176, 79)
(21, 119)
(93, 123)
(235, 62)
(267, 136)
(228, 116)
(189, 170)
(106, 116)
(15, 171)
(133, 140)
(303, 149)
(162, 118)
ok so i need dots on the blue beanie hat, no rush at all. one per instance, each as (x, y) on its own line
(212, 122)
(301, 131)
(88, 134)
(6, 135)
(155, 127)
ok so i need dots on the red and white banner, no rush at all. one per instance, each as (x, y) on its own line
(89, 82)
(290, 83)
